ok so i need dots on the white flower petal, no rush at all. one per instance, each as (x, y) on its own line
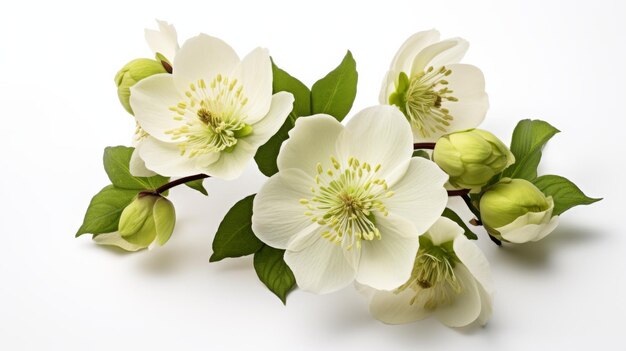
(522, 234)
(310, 142)
(115, 239)
(166, 160)
(443, 53)
(444, 230)
(419, 196)
(466, 307)
(548, 228)
(137, 166)
(387, 263)
(202, 57)
(151, 99)
(388, 87)
(468, 84)
(230, 165)
(277, 214)
(164, 40)
(467, 113)
(263, 130)
(475, 261)
(255, 74)
(466, 81)
(318, 264)
(396, 308)
(411, 47)
(486, 306)
(530, 227)
(379, 135)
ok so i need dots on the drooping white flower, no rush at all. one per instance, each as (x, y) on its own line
(451, 279)
(211, 114)
(349, 202)
(436, 93)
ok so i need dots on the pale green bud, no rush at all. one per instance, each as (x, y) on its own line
(133, 72)
(471, 157)
(149, 218)
(510, 199)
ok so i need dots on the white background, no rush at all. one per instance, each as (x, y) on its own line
(563, 62)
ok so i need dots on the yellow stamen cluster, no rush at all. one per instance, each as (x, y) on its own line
(213, 116)
(433, 278)
(424, 96)
(346, 199)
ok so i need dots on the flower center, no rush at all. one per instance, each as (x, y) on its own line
(346, 199)
(214, 117)
(420, 98)
(433, 278)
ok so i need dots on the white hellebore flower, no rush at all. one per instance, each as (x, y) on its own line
(349, 202)
(211, 114)
(162, 42)
(436, 93)
(451, 279)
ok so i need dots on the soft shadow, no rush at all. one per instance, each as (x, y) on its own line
(236, 264)
(163, 260)
(536, 255)
(112, 250)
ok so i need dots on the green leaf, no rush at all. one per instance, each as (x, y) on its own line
(529, 138)
(105, 209)
(234, 237)
(274, 272)
(421, 153)
(283, 81)
(267, 153)
(448, 213)
(564, 193)
(335, 93)
(116, 160)
(198, 185)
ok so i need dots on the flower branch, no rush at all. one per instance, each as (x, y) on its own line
(174, 183)
(427, 146)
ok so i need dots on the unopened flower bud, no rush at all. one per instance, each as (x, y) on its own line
(517, 211)
(133, 72)
(471, 157)
(148, 219)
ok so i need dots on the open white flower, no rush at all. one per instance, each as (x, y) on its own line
(349, 203)
(211, 114)
(451, 279)
(436, 93)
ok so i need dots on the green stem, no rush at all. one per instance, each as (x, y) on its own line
(471, 207)
(477, 221)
